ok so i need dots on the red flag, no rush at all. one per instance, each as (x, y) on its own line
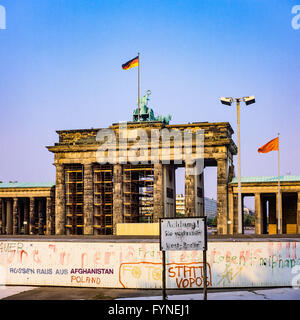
(270, 146)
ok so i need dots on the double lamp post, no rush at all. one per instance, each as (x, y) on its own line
(228, 101)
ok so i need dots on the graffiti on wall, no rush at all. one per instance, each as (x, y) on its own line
(179, 275)
(139, 265)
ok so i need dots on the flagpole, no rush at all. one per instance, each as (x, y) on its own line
(279, 196)
(138, 86)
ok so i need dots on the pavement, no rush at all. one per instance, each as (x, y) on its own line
(67, 293)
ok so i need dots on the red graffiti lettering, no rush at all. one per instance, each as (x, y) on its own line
(294, 248)
(83, 255)
(22, 252)
(62, 258)
(97, 257)
(183, 275)
(52, 247)
(35, 257)
(288, 250)
(107, 256)
(11, 256)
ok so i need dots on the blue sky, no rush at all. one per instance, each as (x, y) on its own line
(61, 69)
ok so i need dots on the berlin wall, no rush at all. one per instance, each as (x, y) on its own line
(138, 265)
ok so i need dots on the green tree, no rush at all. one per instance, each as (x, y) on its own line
(249, 220)
(212, 222)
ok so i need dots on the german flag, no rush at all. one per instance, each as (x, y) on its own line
(131, 63)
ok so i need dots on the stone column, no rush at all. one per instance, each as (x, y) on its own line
(194, 192)
(19, 208)
(200, 195)
(190, 196)
(298, 213)
(281, 224)
(26, 217)
(60, 212)
(222, 196)
(9, 216)
(52, 210)
(258, 214)
(3, 216)
(158, 193)
(235, 214)
(243, 214)
(169, 190)
(40, 217)
(32, 215)
(48, 215)
(230, 212)
(15, 216)
(88, 209)
(117, 196)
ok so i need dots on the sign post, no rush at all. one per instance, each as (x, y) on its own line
(164, 292)
(183, 234)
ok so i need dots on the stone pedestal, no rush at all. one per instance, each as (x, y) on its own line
(88, 209)
(60, 215)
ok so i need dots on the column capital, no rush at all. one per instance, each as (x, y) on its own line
(88, 165)
(58, 165)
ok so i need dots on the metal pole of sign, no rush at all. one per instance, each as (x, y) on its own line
(164, 293)
(204, 276)
(204, 263)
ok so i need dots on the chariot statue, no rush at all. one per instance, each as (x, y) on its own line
(146, 113)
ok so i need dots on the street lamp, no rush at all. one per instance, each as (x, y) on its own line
(228, 101)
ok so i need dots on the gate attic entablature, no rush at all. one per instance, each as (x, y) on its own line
(80, 146)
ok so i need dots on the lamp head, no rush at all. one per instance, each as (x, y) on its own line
(226, 101)
(249, 100)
